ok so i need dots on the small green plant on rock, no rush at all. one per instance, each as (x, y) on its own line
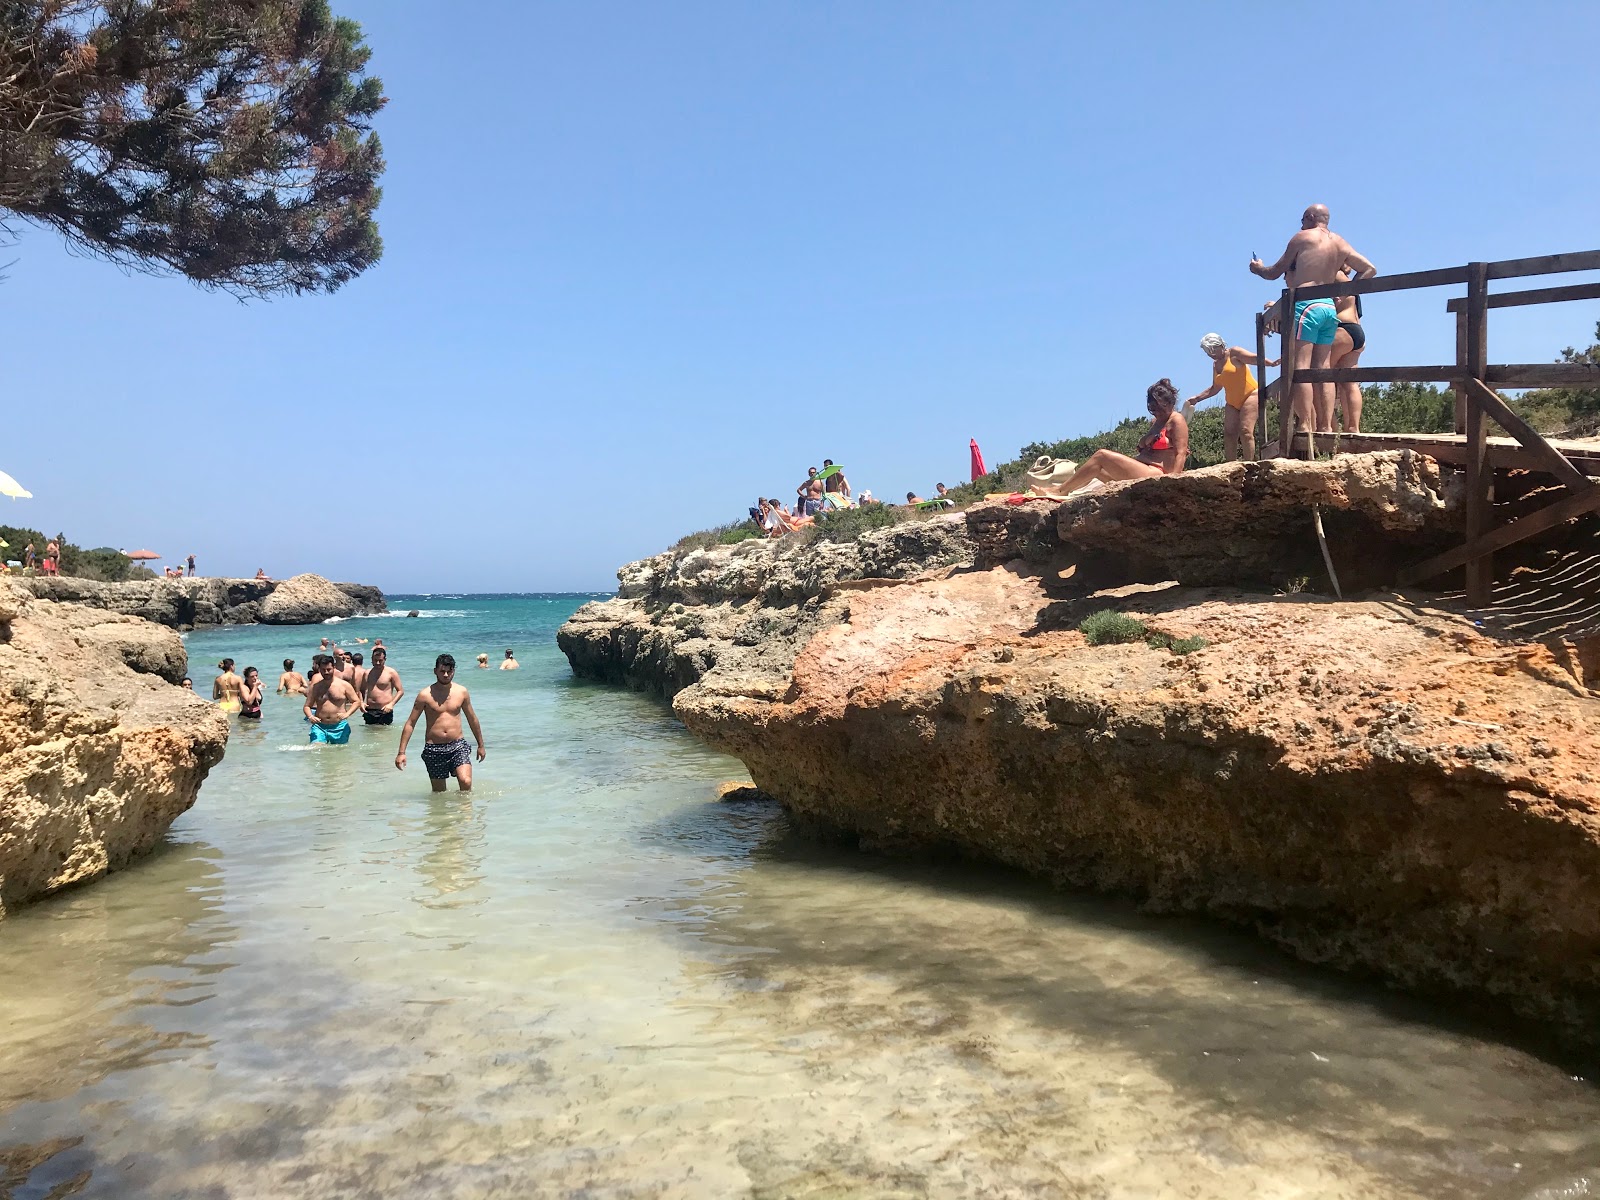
(1108, 627)
(847, 524)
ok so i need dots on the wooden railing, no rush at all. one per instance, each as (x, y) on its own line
(1473, 380)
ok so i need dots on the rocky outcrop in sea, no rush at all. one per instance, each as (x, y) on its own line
(195, 603)
(1380, 784)
(99, 752)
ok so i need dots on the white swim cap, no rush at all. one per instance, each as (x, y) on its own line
(1212, 342)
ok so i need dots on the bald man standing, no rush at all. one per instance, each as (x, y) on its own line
(1314, 255)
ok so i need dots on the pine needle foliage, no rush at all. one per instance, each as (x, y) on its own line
(227, 140)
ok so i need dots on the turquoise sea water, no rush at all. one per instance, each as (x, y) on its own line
(589, 978)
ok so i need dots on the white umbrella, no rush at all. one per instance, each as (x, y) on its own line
(10, 487)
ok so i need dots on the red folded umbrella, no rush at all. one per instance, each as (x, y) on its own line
(978, 469)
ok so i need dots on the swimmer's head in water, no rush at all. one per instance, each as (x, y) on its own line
(483, 658)
(508, 652)
(288, 664)
(1213, 345)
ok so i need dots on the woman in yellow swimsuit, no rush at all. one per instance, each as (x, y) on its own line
(226, 688)
(1230, 374)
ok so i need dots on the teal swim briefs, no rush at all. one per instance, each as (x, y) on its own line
(1316, 321)
(331, 735)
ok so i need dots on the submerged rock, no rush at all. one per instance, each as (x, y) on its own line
(99, 753)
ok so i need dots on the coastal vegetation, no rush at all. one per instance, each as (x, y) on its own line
(230, 141)
(101, 563)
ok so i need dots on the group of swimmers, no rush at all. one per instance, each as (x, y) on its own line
(1328, 333)
(342, 685)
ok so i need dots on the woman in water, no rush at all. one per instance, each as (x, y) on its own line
(225, 688)
(1230, 374)
(1162, 451)
(250, 694)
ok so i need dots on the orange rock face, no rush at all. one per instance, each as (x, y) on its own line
(1371, 785)
(1375, 784)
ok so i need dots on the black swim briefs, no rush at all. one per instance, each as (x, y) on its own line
(376, 716)
(1358, 335)
(442, 758)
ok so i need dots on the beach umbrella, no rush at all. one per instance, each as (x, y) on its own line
(142, 555)
(10, 487)
(978, 469)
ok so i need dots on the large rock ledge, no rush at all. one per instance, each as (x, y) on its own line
(1374, 784)
(199, 602)
(99, 752)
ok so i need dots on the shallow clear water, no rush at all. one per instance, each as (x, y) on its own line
(589, 978)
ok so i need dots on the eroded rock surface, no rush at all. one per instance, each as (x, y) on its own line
(197, 602)
(1372, 784)
(99, 753)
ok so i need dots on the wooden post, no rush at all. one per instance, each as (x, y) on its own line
(1461, 361)
(1290, 346)
(1258, 436)
(1480, 476)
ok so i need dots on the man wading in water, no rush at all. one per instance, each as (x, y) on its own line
(383, 690)
(445, 751)
(329, 704)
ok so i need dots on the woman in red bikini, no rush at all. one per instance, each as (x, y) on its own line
(1162, 451)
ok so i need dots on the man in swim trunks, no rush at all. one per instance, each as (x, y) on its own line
(291, 682)
(329, 704)
(445, 752)
(1314, 255)
(382, 691)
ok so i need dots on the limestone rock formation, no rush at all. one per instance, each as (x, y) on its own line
(305, 600)
(197, 602)
(99, 754)
(1251, 523)
(1375, 784)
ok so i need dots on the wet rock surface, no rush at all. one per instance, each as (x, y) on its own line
(99, 752)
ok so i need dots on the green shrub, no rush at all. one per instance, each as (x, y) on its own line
(720, 535)
(1165, 641)
(847, 524)
(1110, 628)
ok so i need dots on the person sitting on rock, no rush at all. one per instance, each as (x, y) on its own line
(1162, 451)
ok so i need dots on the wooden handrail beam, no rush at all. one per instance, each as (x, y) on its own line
(1549, 457)
(1383, 283)
(1547, 264)
(1573, 504)
(1555, 295)
(1541, 375)
(1439, 374)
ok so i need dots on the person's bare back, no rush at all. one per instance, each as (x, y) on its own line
(1315, 255)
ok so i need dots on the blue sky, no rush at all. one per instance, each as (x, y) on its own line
(644, 261)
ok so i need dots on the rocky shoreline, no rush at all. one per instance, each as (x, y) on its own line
(1377, 784)
(99, 751)
(198, 603)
